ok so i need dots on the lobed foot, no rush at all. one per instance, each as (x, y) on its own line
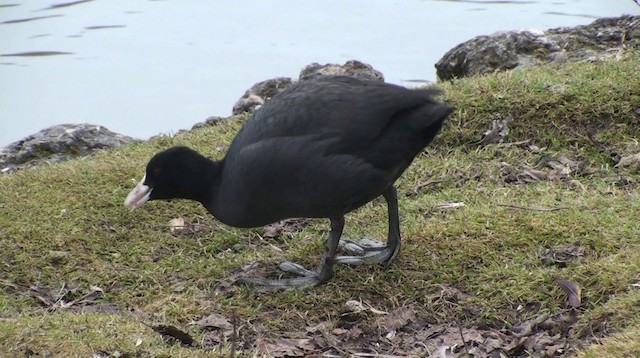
(307, 278)
(367, 251)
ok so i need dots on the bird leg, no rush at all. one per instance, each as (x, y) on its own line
(307, 278)
(371, 251)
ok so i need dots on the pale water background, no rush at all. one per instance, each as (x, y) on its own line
(142, 67)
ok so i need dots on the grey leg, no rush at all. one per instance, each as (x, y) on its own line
(307, 277)
(374, 252)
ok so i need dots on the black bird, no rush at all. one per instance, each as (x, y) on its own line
(319, 149)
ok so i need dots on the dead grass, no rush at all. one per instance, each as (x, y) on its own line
(81, 274)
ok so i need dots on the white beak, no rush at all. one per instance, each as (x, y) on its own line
(138, 196)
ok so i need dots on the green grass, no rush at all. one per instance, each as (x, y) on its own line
(64, 227)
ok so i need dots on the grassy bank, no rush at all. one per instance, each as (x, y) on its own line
(80, 274)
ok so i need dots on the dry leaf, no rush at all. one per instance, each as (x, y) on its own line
(355, 332)
(561, 255)
(535, 175)
(573, 292)
(175, 333)
(339, 331)
(286, 227)
(282, 347)
(499, 131)
(449, 205)
(320, 327)
(176, 224)
(354, 306)
(445, 352)
(630, 160)
(395, 319)
(215, 321)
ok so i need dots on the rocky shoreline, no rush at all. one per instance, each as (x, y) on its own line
(513, 50)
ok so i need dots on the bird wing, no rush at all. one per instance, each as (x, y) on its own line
(344, 108)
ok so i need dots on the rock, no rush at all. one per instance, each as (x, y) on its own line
(350, 68)
(213, 120)
(261, 92)
(58, 143)
(255, 96)
(600, 40)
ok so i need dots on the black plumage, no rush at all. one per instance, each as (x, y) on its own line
(320, 149)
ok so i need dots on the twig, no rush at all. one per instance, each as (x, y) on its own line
(510, 144)
(420, 186)
(234, 334)
(463, 341)
(532, 208)
(221, 353)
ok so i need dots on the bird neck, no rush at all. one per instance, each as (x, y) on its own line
(209, 182)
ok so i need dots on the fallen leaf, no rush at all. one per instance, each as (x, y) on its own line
(445, 352)
(499, 131)
(391, 335)
(176, 224)
(320, 327)
(138, 342)
(355, 332)
(555, 350)
(449, 205)
(283, 347)
(174, 333)
(354, 306)
(215, 321)
(339, 331)
(286, 227)
(431, 332)
(572, 290)
(561, 255)
(535, 175)
(630, 160)
(395, 319)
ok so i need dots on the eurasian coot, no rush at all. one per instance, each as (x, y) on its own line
(319, 149)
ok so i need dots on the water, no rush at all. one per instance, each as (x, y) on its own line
(146, 67)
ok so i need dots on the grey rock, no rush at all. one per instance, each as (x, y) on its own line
(58, 143)
(350, 68)
(600, 40)
(255, 96)
(261, 92)
(213, 120)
